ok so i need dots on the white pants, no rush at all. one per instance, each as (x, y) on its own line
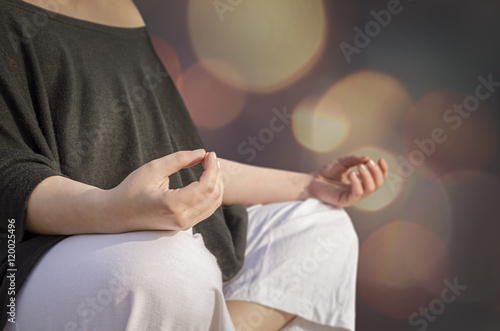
(301, 258)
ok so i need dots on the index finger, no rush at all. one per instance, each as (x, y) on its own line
(383, 166)
(208, 180)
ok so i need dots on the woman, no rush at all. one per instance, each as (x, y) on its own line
(122, 220)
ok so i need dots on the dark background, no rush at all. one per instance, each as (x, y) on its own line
(433, 224)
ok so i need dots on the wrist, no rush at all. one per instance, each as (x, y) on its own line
(106, 213)
(304, 182)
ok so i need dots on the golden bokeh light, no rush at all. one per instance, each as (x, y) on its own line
(405, 264)
(271, 43)
(372, 102)
(391, 189)
(168, 57)
(319, 130)
(448, 135)
(211, 103)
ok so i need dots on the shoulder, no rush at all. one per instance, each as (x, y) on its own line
(20, 23)
(14, 41)
(14, 22)
(14, 13)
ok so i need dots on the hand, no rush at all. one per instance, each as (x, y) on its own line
(335, 184)
(144, 201)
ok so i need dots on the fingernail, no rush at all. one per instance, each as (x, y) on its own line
(199, 152)
(371, 162)
(363, 167)
(215, 156)
(218, 163)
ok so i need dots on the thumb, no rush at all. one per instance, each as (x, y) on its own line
(180, 160)
(342, 165)
(352, 160)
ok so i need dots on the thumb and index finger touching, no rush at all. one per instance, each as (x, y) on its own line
(185, 159)
(353, 160)
(179, 160)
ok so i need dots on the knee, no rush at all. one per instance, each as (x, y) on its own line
(336, 243)
(334, 223)
(149, 273)
(115, 281)
(164, 267)
(341, 221)
(178, 279)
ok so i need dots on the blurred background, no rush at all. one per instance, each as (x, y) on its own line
(293, 84)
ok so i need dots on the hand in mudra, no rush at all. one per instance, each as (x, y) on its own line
(144, 201)
(337, 185)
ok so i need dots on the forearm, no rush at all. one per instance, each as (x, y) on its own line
(250, 185)
(59, 205)
(143, 201)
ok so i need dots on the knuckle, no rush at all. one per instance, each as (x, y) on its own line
(216, 194)
(180, 223)
(215, 202)
(183, 221)
(174, 208)
(185, 225)
(210, 186)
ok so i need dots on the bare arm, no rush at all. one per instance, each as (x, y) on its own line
(250, 185)
(334, 184)
(59, 205)
(143, 201)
